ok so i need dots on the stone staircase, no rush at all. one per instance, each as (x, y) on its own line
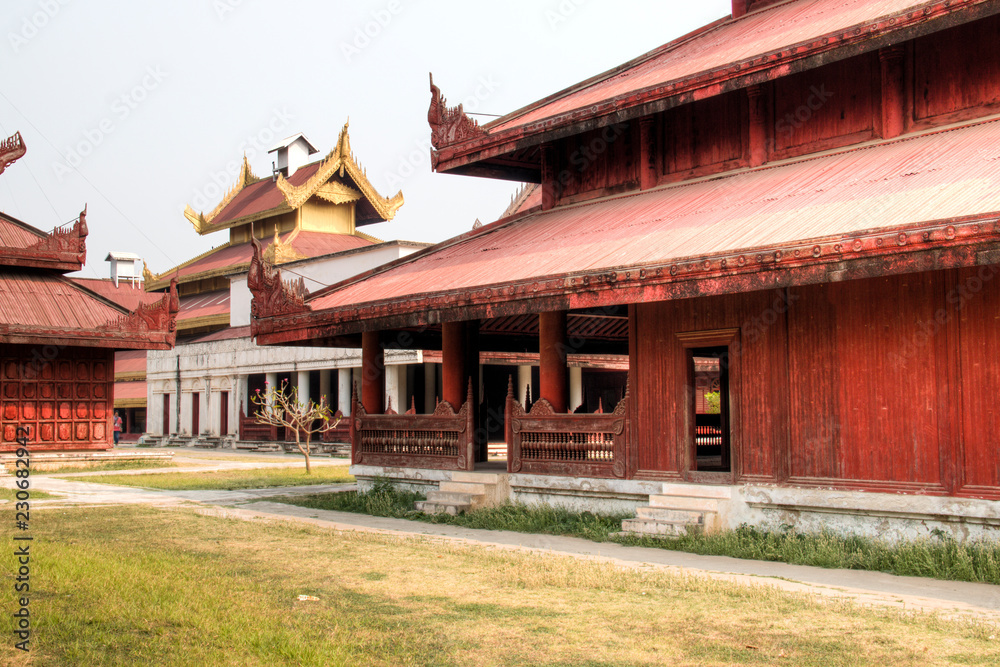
(465, 491)
(680, 508)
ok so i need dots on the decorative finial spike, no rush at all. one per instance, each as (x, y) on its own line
(510, 386)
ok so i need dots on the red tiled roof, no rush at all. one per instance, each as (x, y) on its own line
(936, 176)
(124, 295)
(42, 299)
(204, 305)
(262, 196)
(16, 234)
(718, 45)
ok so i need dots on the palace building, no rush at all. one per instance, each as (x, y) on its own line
(308, 218)
(58, 337)
(787, 222)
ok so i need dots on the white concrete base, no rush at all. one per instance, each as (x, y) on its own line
(603, 496)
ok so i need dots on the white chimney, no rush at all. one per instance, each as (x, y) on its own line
(292, 153)
(124, 265)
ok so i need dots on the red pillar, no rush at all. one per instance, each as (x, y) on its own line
(454, 375)
(553, 375)
(893, 95)
(372, 373)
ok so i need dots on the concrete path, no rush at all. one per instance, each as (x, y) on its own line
(950, 599)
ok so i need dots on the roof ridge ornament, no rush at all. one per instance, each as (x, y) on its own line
(65, 240)
(449, 125)
(12, 149)
(271, 295)
(201, 222)
(160, 316)
(340, 161)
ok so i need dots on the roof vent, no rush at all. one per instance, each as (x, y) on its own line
(292, 153)
(125, 265)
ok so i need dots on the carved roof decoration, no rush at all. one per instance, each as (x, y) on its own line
(63, 249)
(449, 125)
(340, 161)
(280, 252)
(11, 150)
(271, 295)
(338, 193)
(200, 221)
(160, 316)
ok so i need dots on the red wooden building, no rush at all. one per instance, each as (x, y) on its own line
(58, 338)
(804, 196)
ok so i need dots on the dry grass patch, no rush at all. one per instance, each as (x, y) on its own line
(230, 480)
(133, 585)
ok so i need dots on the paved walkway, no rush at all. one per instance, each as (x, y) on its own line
(951, 599)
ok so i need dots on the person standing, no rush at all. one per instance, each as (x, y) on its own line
(118, 427)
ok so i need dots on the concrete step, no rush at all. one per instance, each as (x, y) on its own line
(683, 503)
(664, 514)
(657, 528)
(471, 488)
(449, 498)
(475, 477)
(697, 491)
(429, 507)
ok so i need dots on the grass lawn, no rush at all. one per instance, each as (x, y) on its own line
(8, 494)
(135, 585)
(230, 480)
(111, 465)
(252, 458)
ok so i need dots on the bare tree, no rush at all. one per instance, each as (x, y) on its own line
(280, 406)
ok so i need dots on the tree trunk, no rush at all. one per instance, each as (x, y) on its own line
(304, 450)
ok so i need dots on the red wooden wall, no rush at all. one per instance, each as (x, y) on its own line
(887, 384)
(63, 394)
(947, 76)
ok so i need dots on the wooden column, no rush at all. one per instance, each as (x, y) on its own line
(758, 126)
(549, 184)
(454, 374)
(647, 148)
(372, 373)
(893, 103)
(553, 380)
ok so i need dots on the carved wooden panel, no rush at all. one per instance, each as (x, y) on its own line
(63, 395)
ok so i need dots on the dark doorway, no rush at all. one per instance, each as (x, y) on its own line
(708, 370)
(166, 414)
(195, 410)
(224, 413)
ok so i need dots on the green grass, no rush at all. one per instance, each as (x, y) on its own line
(938, 558)
(385, 501)
(141, 586)
(230, 480)
(109, 466)
(9, 494)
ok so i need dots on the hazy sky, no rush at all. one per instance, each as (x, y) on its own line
(138, 108)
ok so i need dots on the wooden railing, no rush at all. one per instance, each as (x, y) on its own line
(544, 442)
(441, 441)
(251, 431)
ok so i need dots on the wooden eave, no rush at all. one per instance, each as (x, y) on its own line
(943, 244)
(64, 249)
(480, 155)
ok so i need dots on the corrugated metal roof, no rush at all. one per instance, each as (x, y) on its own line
(736, 40)
(129, 390)
(935, 176)
(130, 361)
(262, 196)
(16, 234)
(33, 298)
(228, 333)
(124, 295)
(315, 244)
(204, 305)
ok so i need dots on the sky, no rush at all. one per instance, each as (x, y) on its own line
(136, 109)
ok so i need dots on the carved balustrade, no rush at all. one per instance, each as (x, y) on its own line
(441, 441)
(542, 441)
